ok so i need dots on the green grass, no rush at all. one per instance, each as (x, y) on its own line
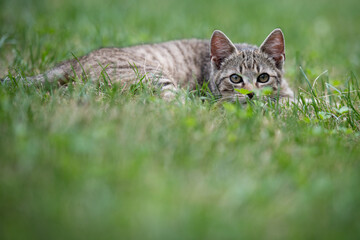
(93, 162)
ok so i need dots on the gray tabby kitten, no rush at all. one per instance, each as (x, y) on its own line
(224, 66)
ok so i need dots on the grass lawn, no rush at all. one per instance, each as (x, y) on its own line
(92, 162)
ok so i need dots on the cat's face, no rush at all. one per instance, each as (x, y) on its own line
(247, 67)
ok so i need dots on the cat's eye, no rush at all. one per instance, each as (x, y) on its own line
(263, 78)
(236, 78)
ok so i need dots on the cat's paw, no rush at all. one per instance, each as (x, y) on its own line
(173, 96)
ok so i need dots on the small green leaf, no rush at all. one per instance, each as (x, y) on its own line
(324, 115)
(344, 109)
(243, 91)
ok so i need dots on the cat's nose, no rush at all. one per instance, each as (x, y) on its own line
(250, 95)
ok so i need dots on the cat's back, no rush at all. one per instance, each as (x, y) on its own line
(164, 51)
(181, 59)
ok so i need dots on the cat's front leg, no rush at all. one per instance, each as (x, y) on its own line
(168, 88)
(167, 85)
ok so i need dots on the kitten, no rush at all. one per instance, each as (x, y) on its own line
(224, 66)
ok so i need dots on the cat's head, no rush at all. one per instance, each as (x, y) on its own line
(243, 66)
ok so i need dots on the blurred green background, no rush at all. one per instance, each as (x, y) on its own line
(89, 164)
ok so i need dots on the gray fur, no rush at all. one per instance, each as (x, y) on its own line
(183, 63)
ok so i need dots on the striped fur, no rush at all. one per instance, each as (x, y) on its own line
(182, 63)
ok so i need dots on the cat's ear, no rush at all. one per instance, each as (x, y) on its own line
(274, 46)
(220, 47)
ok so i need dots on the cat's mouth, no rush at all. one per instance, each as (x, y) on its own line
(244, 99)
(240, 98)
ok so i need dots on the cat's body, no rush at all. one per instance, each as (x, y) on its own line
(185, 63)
